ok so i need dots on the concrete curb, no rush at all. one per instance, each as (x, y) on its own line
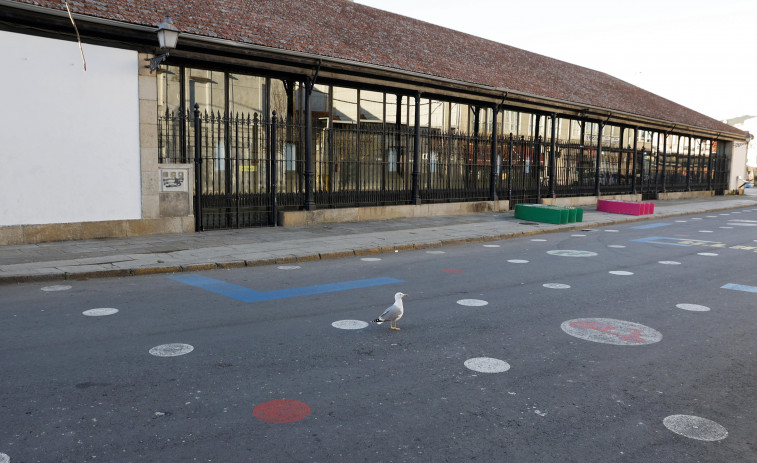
(367, 251)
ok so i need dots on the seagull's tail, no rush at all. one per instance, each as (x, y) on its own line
(378, 321)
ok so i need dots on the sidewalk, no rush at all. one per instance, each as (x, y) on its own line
(263, 246)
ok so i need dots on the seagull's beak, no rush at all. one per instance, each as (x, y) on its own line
(403, 294)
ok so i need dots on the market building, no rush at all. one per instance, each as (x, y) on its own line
(266, 113)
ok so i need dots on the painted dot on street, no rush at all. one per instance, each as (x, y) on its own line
(617, 246)
(696, 218)
(281, 411)
(743, 223)
(538, 239)
(571, 253)
(434, 252)
(370, 259)
(612, 231)
(695, 427)
(4, 458)
(725, 214)
(349, 324)
(712, 217)
(578, 235)
(54, 288)
(453, 270)
(518, 261)
(611, 331)
(693, 307)
(705, 231)
(100, 312)
(171, 350)
(709, 254)
(472, 302)
(681, 221)
(487, 365)
(669, 262)
(620, 272)
(726, 227)
(556, 285)
(289, 267)
(491, 246)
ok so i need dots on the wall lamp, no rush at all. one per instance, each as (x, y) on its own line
(168, 35)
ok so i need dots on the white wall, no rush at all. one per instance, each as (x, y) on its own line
(69, 139)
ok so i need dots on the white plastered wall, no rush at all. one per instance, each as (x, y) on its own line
(69, 139)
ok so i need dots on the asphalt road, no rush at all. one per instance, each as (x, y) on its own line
(603, 367)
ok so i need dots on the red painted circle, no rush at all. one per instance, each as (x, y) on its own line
(281, 411)
(452, 270)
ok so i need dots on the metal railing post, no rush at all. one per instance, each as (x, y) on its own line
(198, 169)
(272, 157)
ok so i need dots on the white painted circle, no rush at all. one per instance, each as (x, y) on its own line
(491, 245)
(472, 302)
(726, 227)
(618, 246)
(370, 259)
(696, 218)
(538, 239)
(571, 253)
(695, 427)
(518, 261)
(725, 214)
(289, 267)
(669, 262)
(711, 216)
(735, 212)
(742, 224)
(556, 285)
(705, 231)
(681, 221)
(620, 272)
(578, 235)
(612, 231)
(54, 288)
(707, 254)
(487, 365)
(611, 331)
(434, 252)
(349, 324)
(100, 312)
(171, 350)
(4, 458)
(693, 307)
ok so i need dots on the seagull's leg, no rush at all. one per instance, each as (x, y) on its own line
(394, 325)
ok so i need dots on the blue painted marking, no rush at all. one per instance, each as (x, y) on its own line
(243, 294)
(651, 225)
(734, 286)
(660, 240)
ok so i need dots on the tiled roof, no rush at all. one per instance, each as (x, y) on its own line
(345, 30)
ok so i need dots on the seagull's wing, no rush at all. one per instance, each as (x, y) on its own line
(391, 313)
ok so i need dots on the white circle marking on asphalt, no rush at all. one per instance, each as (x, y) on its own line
(56, 288)
(611, 331)
(710, 254)
(289, 267)
(556, 285)
(472, 302)
(617, 246)
(434, 252)
(669, 262)
(620, 272)
(518, 261)
(578, 236)
(681, 221)
(349, 324)
(696, 218)
(4, 458)
(491, 245)
(171, 350)
(100, 312)
(537, 239)
(487, 365)
(612, 231)
(693, 307)
(695, 427)
(370, 259)
(571, 253)
(726, 227)
(705, 231)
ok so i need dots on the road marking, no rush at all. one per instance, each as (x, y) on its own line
(349, 324)
(171, 350)
(487, 365)
(616, 246)
(669, 262)
(695, 427)
(693, 307)
(735, 287)
(518, 261)
(434, 252)
(54, 288)
(100, 312)
(472, 302)
(620, 272)
(610, 331)
(243, 294)
(571, 253)
(709, 254)
(452, 270)
(281, 411)
(651, 225)
(289, 267)
(556, 285)
(491, 245)
(370, 259)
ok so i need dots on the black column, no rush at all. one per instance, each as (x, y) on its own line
(417, 150)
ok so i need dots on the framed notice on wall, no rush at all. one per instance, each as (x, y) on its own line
(173, 180)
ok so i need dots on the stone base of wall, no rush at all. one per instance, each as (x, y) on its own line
(359, 214)
(31, 234)
(579, 201)
(685, 195)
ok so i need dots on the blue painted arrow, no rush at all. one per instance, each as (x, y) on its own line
(243, 294)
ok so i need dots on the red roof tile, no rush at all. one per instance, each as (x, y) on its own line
(349, 31)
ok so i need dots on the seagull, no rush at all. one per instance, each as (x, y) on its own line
(392, 313)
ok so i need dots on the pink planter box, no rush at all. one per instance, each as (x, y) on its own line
(625, 207)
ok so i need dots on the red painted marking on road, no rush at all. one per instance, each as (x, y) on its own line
(281, 411)
(452, 270)
(633, 336)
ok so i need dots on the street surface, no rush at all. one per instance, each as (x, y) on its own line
(636, 343)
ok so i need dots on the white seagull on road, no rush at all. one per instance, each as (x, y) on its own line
(392, 313)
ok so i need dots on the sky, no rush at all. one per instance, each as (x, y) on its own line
(699, 53)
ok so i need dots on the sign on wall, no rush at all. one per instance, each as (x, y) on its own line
(173, 180)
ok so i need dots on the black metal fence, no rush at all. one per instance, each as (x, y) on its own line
(250, 166)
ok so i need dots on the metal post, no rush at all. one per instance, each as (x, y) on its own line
(688, 168)
(309, 201)
(417, 150)
(274, 219)
(597, 164)
(633, 169)
(510, 169)
(198, 169)
(552, 157)
(493, 161)
(664, 158)
(709, 166)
